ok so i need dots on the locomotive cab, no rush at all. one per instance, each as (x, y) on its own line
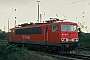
(65, 34)
(69, 35)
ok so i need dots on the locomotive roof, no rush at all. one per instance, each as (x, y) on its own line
(47, 22)
(40, 24)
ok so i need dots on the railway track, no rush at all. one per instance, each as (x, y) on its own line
(80, 56)
(84, 48)
(67, 57)
(3, 41)
(76, 56)
(83, 51)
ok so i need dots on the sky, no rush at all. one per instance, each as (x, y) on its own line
(27, 11)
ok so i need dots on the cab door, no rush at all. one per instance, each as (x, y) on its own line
(54, 33)
(46, 34)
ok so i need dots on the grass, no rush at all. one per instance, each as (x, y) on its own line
(85, 40)
(12, 52)
(29, 56)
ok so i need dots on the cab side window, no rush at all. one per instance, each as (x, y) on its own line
(54, 27)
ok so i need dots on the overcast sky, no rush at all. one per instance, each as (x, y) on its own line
(26, 11)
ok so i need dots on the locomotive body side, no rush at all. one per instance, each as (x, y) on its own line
(47, 34)
(28, 34)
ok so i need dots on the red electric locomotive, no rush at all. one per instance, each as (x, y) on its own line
(52, 35)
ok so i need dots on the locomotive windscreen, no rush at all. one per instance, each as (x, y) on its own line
(68, 27)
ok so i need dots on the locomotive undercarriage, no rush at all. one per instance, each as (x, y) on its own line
(61, 48)
(55, 49)
(67, 48)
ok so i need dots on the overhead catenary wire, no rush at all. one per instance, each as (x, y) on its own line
(44, 2)
(48, 3)
(23, 3)
(67, 4)
(50, 10)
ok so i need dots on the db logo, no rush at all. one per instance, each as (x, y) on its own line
(26, 37)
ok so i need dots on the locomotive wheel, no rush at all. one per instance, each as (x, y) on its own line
(60, 50)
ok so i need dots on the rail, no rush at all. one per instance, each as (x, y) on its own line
(70, 56)
(3, 41)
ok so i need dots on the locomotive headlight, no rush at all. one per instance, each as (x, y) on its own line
(72, 40)
(75, 40)
(64, 40)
